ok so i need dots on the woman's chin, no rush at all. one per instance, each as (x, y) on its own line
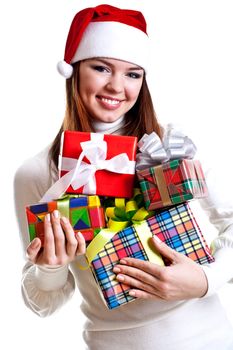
(109, 119)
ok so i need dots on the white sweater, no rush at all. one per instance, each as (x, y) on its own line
(47, 289)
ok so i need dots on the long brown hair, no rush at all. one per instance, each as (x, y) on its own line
(140, 119)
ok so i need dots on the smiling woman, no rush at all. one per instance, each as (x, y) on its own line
(107, 92)
(109, 88)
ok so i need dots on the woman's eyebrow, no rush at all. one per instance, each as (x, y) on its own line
(135, 68)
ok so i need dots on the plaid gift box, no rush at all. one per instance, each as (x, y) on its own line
(102, 164)
(171, 183)
(84, 212)
(175, 226)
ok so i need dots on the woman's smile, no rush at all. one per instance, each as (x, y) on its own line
(109, 102)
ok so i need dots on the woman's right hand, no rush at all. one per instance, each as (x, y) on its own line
(61, 244)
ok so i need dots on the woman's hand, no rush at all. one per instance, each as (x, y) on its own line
(61, 245)
(181, 279)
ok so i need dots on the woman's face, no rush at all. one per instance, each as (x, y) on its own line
(109, 87)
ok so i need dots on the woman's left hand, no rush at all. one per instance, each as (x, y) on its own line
(181, 279)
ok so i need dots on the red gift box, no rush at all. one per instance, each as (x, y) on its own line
(102, 164)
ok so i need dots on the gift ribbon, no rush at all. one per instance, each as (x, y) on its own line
(126, 213)
(105, 235)
(63, 203)
(160, 180)
(63, 206)
(174, 145)
(81, 173)
(144, 233)
(122, 215)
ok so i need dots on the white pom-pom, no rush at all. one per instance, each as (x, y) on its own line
(65, 69)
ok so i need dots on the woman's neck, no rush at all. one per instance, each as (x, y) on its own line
(109, 128)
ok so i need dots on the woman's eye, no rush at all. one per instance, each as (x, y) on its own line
(134, 75)
(100, 68)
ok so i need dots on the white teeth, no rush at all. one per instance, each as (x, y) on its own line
(111, 102)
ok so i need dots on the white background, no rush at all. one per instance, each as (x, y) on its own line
(191, 83)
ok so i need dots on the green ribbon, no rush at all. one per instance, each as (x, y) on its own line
(122, 213)
(63, 204)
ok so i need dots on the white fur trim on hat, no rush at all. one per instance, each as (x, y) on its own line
(65, 69)
(114, 40)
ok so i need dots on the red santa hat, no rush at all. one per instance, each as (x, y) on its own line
(106, 31)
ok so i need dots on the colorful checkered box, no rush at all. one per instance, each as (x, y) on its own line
(84, 212)
(176, 226)
(171, 183)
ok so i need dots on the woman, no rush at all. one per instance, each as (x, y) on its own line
(176, 306)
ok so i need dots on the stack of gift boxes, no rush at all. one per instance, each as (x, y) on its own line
(96, 191)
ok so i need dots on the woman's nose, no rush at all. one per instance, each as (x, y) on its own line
(115, 83)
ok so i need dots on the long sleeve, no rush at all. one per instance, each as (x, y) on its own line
(219, 208)
(44, 289)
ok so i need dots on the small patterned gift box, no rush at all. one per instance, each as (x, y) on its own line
(175, 226)
(84, 212)
(172, 183)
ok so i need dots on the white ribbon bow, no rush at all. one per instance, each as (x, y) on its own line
(81, 173)
(175, 145)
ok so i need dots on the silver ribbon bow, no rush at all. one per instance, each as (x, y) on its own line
(174, 145)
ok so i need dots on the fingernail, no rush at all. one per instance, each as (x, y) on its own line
(120, 277)
(56, 213)
(64, 219)
(34, 243)
(47, 217)
(123, 262)
(132, 293)
(116, 269)
(157, 239)
(78, 234)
